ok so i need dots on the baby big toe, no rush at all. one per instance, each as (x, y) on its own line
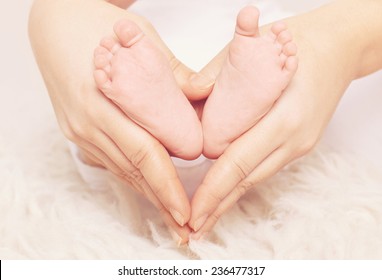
(247, 22)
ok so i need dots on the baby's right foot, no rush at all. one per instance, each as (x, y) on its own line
(256, 71)
(135, 75)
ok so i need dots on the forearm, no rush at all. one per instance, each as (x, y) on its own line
(349, 29)
(64, 34)
(347, 33)
(364, 30)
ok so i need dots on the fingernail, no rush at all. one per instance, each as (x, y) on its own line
(199, 222)
(200, 81)
(177, 217)
(178, 240)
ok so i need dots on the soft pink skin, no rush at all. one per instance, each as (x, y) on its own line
(256, 71)
(133, 73)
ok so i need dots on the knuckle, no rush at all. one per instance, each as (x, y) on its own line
(143, 154)
(139, 157)
(132, 176)
(83, 130)
(159, 192)
(239, 166)
(174, 63)
(306, 147)
(215, 216)
(69, 134)
(92, 112)
(214, 198)
(292, 121)
(78, 129)
(138, 188)
(243, 187)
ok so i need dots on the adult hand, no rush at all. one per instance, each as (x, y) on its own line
(288, 131)
(104, 134)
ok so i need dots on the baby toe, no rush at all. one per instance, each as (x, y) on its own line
(101, 61)
(278, 27)
(290, 49)
(284, 37)
(290, 66)
(102, 80)
(111, 44)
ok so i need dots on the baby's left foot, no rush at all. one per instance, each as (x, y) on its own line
(256, 71)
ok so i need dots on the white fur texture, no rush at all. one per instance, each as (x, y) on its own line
(327, 205)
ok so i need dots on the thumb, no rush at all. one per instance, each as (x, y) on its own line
(196, 86)
(203, 82)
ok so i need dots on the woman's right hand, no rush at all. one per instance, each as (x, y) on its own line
(63, 36)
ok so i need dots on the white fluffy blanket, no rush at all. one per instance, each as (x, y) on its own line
(326, 205)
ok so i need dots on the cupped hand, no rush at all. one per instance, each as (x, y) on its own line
(105, 135)
(288, 131)
(108, 138)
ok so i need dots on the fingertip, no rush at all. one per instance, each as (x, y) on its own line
(200, 86)
(179, 234)
(183, 218)
(199, 222)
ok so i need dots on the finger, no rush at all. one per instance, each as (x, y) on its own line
(270, 166)
(201, 84)
(184, 75)
(89, 159)
(135, 180)
(97, 155)
(100, 147)
(153, 161)
(180, 234)
(236, 163)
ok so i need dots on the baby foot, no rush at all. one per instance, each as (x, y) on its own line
(256, 71)
(133, 73)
